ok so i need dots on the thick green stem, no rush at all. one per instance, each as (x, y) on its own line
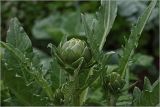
(79, 97)
(76, 94)
(112, 100)
(83, 96)
(76, 99)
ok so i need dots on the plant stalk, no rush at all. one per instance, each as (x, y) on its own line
(76, 99)
(76, 94)
(112, 100)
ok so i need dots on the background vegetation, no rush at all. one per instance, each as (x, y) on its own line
(47, 21)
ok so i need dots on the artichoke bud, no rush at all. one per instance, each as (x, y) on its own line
(74, 49)
(113, 82)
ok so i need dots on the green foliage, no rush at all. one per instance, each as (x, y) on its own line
(73, 73)
(132, 42)
(56, 25)
(143, 60)
(96, 36)
(20, 72)
(17, 37)
(135, 9)
(124, 100)
(148, 96)
(113, 82)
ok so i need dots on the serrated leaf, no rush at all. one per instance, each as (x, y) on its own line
(20, 72)
(132, 42)
(23, 93)
(124, 100)
(26, 72)
(127, 80)
(16, 52)
(101, 24)
(147, 97)
(68, 89)
(150, 98)
(96, 71)
(97, 28)
(147, 84)
(17, 36)
(136, 94)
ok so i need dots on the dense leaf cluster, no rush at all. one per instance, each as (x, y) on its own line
(25, 81)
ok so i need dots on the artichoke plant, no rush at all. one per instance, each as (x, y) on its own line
(74, 49)
(70, 53)
(113, 82)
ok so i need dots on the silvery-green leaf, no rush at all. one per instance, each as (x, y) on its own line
(17, 36)
(105, 17)
(97, 28)
(147, 97)
(132, 42)
(124, 100)
(67, 90)
(22, 74)
(147, 85)
(95, 72)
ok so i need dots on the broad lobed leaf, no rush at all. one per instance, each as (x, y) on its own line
(97, 28)
(21, 74)
(17, 36)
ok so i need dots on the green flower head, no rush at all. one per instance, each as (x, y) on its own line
(74, 49)
(113, 82)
